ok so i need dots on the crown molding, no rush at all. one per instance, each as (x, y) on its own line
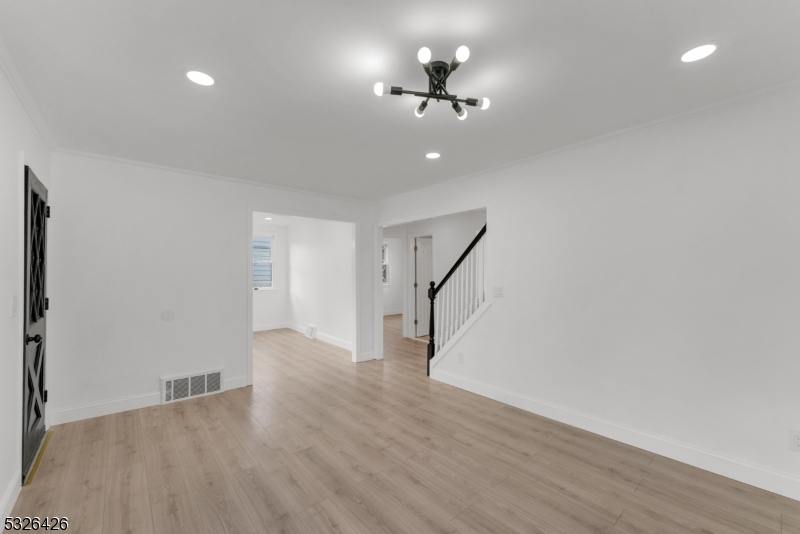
(187, 172)
(792, 85)
(14, 78)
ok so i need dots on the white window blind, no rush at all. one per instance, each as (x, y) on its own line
(262, 262)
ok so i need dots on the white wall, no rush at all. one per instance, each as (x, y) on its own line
(133, 240)
(451, 235)
(20, 144)
(322, 279)
(271, 307)
(393, 291)
(652, 287)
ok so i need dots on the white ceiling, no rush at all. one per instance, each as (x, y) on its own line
(293, 103)
(260, 219)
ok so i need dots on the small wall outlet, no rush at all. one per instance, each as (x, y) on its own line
(794, 440)
(498, 292)
(460, 357)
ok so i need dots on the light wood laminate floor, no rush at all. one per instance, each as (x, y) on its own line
(319, 444)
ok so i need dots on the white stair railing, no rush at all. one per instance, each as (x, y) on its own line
(458, 296)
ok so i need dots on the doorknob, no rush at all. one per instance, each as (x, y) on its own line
(35, 339)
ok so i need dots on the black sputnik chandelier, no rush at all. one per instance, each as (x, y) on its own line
(438, 72)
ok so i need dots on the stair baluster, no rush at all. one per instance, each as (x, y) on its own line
(460, 298)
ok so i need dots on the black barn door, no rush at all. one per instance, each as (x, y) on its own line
(33, 395)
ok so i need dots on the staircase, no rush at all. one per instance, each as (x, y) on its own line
(458, 296)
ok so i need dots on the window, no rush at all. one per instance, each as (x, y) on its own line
(385, 263)
(262, 262)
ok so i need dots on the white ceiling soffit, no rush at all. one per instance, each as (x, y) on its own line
(293, 102)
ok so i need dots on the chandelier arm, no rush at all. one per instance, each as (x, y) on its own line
(429, 95)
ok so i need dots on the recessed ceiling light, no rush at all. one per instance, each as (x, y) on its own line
(200, 78)
(432, 155)
(268, 218)
(696, 54)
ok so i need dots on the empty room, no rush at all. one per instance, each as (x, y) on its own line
(422, 267)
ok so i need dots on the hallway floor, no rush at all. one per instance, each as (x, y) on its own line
(319, 444)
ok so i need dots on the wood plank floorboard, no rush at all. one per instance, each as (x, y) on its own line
(320, 445)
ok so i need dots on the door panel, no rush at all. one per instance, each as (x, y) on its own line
(424, 270)
(34, 341)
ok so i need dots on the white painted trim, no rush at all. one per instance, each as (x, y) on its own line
(755, 475)
(347, 345)
(433, 214)
(248, 286)
(366, 356)
(188, 172)
(730, 102)
(377, 295)
(270, 326)
(236, 382)
(11, 494)
(461, 331)
(99, 409)
(25, 98)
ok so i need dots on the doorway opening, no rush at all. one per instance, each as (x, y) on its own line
(34, 321)
(414, 255)
(303, 280)
(423, 276)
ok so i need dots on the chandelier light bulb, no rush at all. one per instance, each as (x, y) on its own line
(424, 55)
(437, 73)
(380, 89)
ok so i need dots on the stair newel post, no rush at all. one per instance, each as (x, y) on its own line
(431, 341)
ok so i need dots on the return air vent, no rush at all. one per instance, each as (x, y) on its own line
(178, 388)
(311, 331)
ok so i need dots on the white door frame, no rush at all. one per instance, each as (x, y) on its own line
(248, 282)
(423, 287)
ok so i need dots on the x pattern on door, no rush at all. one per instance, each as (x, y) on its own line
(38, 215)
(35, 376)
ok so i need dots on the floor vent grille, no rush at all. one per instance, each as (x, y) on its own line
(175, 389)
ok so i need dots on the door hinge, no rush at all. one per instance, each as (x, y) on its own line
(415, 284)
(44, 397)
(415, 248)
(416, 322)
(47, 304)
(48, 212)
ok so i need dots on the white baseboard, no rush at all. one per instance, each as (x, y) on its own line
(235, 383)
(365, 357)
(11, 494)
(755, 475)
(347, 345)
(398, 312)
(98, 409)
(271, 326)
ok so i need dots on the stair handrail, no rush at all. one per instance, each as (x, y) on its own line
(433, 290)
